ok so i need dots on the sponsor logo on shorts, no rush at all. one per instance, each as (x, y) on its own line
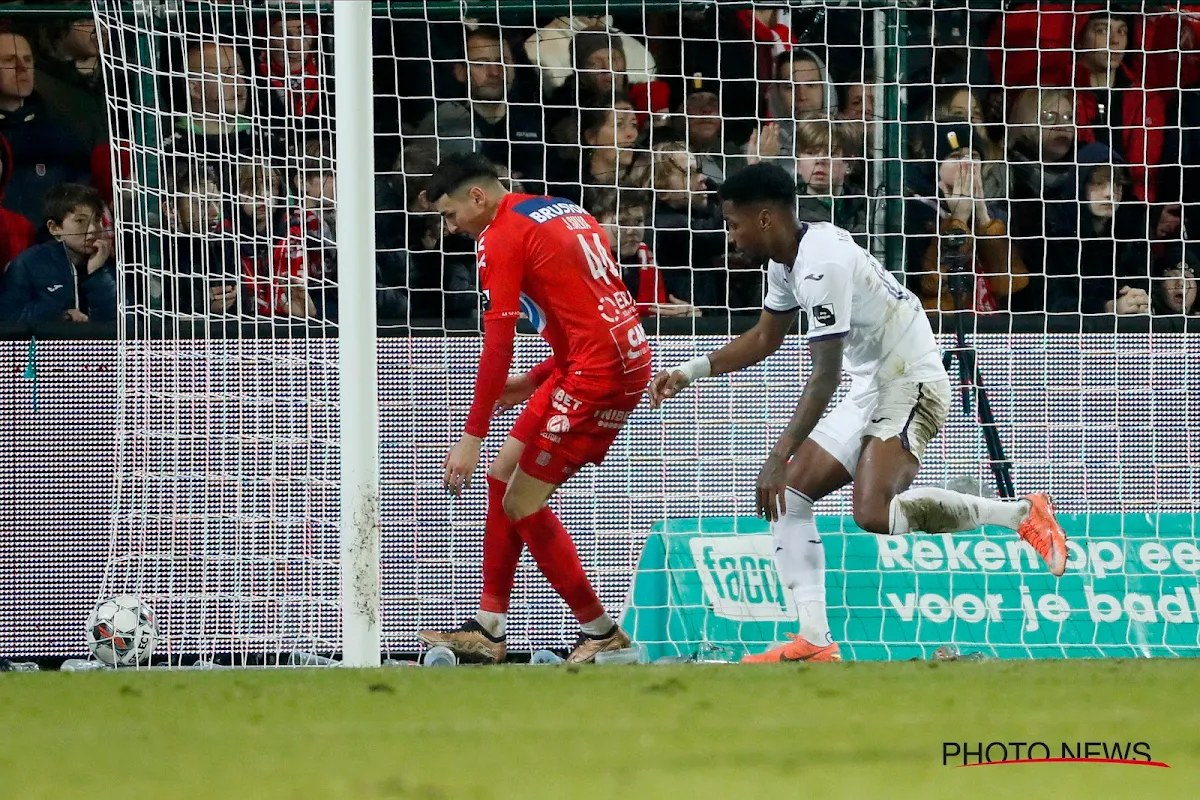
(824, 315)
(543, 458)
(563, 402)
(559, 423)
(611, 418)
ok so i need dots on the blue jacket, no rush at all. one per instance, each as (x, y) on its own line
(42, 283)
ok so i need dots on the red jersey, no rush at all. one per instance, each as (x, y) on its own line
(547, 259)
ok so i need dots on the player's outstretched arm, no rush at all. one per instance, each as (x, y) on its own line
(749, 348)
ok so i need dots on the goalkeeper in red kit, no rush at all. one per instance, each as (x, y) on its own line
(547, 259)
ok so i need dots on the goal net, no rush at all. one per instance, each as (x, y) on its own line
(1053, 217)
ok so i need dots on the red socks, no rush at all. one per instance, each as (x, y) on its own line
(556, 557)
(502, 547)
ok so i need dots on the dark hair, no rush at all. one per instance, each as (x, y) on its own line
(61, 200)
(184, 177)
(457, 169)
(615, 201)
(759, 183)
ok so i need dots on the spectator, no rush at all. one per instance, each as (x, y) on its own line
(960, 103)
(701, 127)
(1175, 290)
(439, 270)
(802, 86)
(606, 158)
(857, 111)
(1112, 106)
(551, 50)
(599, 80)
(199, 266)
(858, 101)
(260, 229)
(689, 232)
(214, 124)
(801, 91)
(69, 77)
(1103, 264)
(71, 277)
(291, 75)
(17, 233)
(486, 120)
(821, 175)
(45, 150)
(311, 249)
(623, 217)
(1041, 182)
(970, 234)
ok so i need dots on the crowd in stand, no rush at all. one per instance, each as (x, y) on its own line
(1056, 184)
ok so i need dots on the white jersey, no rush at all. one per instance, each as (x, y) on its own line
(846, 292)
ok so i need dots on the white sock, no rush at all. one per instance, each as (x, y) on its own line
(800, 556)
(599, 626)
(935, 510)
(493, 622)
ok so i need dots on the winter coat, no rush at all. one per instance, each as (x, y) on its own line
(41, 284)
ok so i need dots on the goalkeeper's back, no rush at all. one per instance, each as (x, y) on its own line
(547, 258)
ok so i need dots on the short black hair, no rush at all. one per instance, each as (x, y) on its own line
(63, 199)
(454, 170)
(759, 183)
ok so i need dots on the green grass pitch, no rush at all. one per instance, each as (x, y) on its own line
(865, 730)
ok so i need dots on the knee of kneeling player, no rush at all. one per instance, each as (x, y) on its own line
(872, 516)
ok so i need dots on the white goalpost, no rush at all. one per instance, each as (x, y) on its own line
(357, 347)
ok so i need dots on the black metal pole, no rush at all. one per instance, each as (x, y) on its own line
(969, 375)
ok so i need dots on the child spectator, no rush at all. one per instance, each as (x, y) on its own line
(1175, 290)
(71, 277)
(199, 267)
(821, 174)
(623, 218)
(311, 247)
(45, 150)
(16, 232)
(260, 228)
(1102, 265)
(970, 233)
(689, 232)
(439, 271)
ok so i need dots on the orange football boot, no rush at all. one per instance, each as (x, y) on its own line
(1041, 529)
(798, 649)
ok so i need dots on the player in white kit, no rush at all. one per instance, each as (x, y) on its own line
(863, 322)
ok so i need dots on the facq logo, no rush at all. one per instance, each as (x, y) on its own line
(740, 580)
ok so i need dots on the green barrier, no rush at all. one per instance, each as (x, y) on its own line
(1130, 590)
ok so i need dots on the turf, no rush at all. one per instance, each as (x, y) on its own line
(850, 730)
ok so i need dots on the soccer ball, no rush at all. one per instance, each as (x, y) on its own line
(121, 631)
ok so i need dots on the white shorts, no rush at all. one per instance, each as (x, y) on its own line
(913, 411)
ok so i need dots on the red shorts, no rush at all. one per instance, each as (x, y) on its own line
(562, 431)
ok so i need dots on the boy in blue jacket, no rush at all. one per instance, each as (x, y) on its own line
(71, 277)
